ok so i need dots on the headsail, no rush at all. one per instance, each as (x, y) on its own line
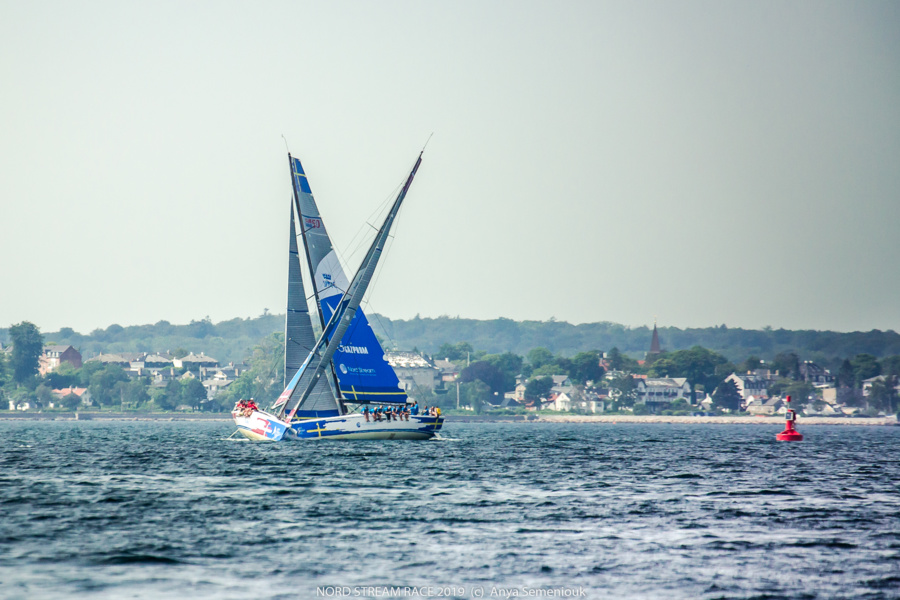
(299, 338)
(347, 308)
(361, 369)
(298, 332)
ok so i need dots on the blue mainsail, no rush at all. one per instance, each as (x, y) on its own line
(362, 372)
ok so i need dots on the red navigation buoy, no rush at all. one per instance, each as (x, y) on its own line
(789, 434)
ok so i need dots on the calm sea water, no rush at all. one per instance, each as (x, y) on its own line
(174, 510)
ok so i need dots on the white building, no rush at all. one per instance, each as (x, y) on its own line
(750, 385)
(414, 370)
(561, 402)
(656, 392)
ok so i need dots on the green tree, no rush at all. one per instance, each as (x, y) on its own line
(62, 377)
(85, 373)
(132, 394)
(548, 370)
(787, 364)
(641, 409)
(752, 363)
(538, 357)
(44, 395)
(779, 386)
(623, 390)
(699, 365)
(193, 393)
(264, 381)
(453, 352)
(883, 395)
(486, 372)
(169, 397)
(586, 367)
(621, 362)
(70, 401)
(475, 394)
(4, 369)
(727, 396)
(509, 364)
(103, 385)
(538, 387)
(891, 365)
(865, 366)
(846, 376)
(27, 347)
(800, 391)
(21, 394)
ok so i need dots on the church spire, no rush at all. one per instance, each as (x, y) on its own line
(654, 343)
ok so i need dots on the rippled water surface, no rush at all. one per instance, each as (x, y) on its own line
(168, 509)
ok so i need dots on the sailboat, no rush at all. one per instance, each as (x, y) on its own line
(332, 381)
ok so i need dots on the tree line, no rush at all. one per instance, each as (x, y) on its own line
(734, 343)
(109, 385)
(484, 376)
(232, 340)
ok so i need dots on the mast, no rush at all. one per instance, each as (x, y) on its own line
(350, 301)
(312, 274)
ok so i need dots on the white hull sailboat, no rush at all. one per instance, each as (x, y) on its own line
(261, 426)
(329, 379)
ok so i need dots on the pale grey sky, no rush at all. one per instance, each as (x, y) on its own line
(703, 162)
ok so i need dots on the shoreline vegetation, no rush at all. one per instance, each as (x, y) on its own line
(572, 418)
(604, 386)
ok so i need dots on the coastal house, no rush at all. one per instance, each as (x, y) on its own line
(658, 392)
(414, 370)
(54, 355)
(519, 393)
(867, 384)
(83, 393)
(763, 406)
(837, 396)
(560, 401)
(749, 385)
(814, 374)
(560, 382)
(449, 371)
(160, 377)
(216, 384)
(193, 362)
(158, 360)
(233, 370)
(111, 359)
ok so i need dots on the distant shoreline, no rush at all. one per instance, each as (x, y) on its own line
(112, 416)
(588, 419)
(724, 420)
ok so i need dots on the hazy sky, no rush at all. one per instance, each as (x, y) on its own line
(703, 162)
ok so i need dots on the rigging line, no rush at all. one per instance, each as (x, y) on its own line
(286, 143)
(379, 211)
(304, 346)
(374, 215)
(380, 269)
